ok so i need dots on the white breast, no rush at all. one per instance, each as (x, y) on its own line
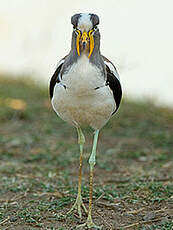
(83, 77)
(79, 103)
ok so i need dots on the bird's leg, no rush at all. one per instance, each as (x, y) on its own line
(92, 160)
(79, 203)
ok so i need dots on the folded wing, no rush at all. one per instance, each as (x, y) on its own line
(113, 80)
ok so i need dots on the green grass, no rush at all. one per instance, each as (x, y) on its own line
(39, 164)
(164, 226)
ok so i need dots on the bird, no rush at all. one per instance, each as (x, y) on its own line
(85, 91)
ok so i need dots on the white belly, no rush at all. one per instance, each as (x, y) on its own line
(92, 110)
(80, 104)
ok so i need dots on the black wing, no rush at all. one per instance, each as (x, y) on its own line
(114, 82)
(55, 78)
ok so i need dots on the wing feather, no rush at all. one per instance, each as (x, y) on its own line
(113, 80)
(55, 78)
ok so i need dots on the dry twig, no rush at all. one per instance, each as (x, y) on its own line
(139, 223)
(2, 222)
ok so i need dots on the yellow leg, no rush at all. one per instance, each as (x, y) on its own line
(79, 203)
(89, 223)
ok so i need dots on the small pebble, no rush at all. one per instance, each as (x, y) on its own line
(149, 216)
(13, 218)
(164, 219)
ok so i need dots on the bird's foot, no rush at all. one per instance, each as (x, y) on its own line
(89, 224)
(77, 206)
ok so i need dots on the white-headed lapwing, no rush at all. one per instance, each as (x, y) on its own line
(85, 90)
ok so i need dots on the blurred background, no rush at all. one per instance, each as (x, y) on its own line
(133, 182)
(136, 35)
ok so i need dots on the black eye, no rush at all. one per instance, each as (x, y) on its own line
(76, 30)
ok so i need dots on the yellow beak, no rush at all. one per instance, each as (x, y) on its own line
(84, 38)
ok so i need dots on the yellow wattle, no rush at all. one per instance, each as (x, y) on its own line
(77, 42)
(91, 43)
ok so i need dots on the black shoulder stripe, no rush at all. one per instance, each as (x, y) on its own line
(54, 80)
(115, 86)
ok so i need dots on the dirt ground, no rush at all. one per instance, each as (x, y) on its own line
(133, 177)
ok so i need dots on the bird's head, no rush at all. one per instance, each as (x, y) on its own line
(85, 33)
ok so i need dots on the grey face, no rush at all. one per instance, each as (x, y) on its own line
(85, 41)
(86, 36)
